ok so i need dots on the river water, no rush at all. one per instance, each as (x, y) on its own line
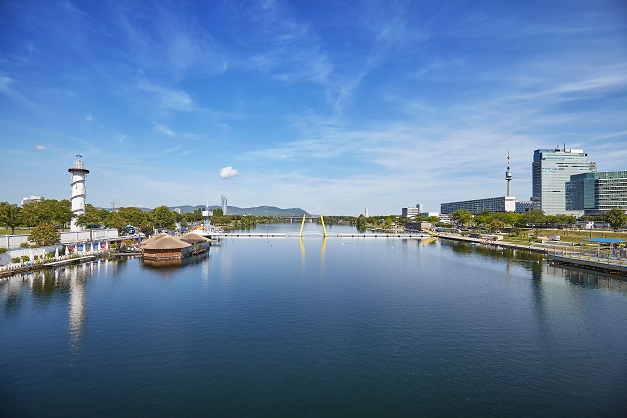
(336, 326)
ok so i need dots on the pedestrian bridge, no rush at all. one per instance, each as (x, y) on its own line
(313, 234)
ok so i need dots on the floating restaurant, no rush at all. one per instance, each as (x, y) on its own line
(166, 247)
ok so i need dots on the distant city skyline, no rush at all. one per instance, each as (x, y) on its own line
(326, 106)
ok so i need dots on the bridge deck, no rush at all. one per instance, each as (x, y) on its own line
(317, 234)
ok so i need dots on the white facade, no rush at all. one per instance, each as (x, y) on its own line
(551, 169)
(79, 173)
(410, 212)
(32, 199)
(429, 214)
(492, 204)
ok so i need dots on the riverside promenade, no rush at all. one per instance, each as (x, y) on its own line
(538, 248)
(603, 261)
(17, 268)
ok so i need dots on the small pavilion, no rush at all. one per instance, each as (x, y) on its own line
(610, 241)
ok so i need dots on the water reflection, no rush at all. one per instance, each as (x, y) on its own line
(77, 304)
(170, 267)
(323, 247)
(537, 266)
(44, 287)
(585, 278)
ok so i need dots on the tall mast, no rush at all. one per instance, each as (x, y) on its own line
(508, 174)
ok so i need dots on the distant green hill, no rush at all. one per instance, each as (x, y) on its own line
(234, 210)
(255, 211)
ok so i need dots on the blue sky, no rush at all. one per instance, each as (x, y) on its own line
(331, 106)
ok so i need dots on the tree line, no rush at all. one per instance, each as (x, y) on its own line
(533, 218)
(59, 214)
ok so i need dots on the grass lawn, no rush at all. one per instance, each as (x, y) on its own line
(573, 236)
(18, 231)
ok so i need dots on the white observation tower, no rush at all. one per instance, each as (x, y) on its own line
(79, 172)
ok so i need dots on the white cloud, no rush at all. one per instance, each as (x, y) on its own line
(89, 117)
(41, 147)
(166, 98)
(164, 129)
(227, 172)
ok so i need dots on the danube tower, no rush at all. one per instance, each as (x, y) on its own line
(508, 174)
(79, 172)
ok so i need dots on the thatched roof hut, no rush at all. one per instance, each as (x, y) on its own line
(166, 248)
(193, 238)
(153, 238)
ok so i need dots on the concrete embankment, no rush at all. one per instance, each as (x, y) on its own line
(502, 244)
(556, 255)
(38, 266)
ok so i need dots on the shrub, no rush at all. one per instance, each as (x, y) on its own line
(3, 250)
(24, 245)
(25, 258)
(16, 259)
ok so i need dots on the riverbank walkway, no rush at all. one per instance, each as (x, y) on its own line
(603, 261)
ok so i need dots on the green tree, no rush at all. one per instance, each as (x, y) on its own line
(10, 216)
(162, 217)
(45, 234)
(133, 215)
(361, 223)
(496, 225)
(533, 217)
(58, 212)
(461, 216)
(62, 212)
(433, 220)
(565, 220)
(29, 214)
(117, 221)
(484, 218)
(92, 216)
(616, 218)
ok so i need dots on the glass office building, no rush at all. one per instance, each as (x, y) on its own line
(551, 170)
(597, 193)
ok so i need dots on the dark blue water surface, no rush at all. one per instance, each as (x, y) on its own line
(336, 326)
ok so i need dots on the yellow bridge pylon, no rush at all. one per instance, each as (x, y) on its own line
(433, 234)
(324, 229)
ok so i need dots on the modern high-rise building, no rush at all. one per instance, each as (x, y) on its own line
(523, 206)
(410, 212)
(224, 204)
(551, 169)
(597, 193)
